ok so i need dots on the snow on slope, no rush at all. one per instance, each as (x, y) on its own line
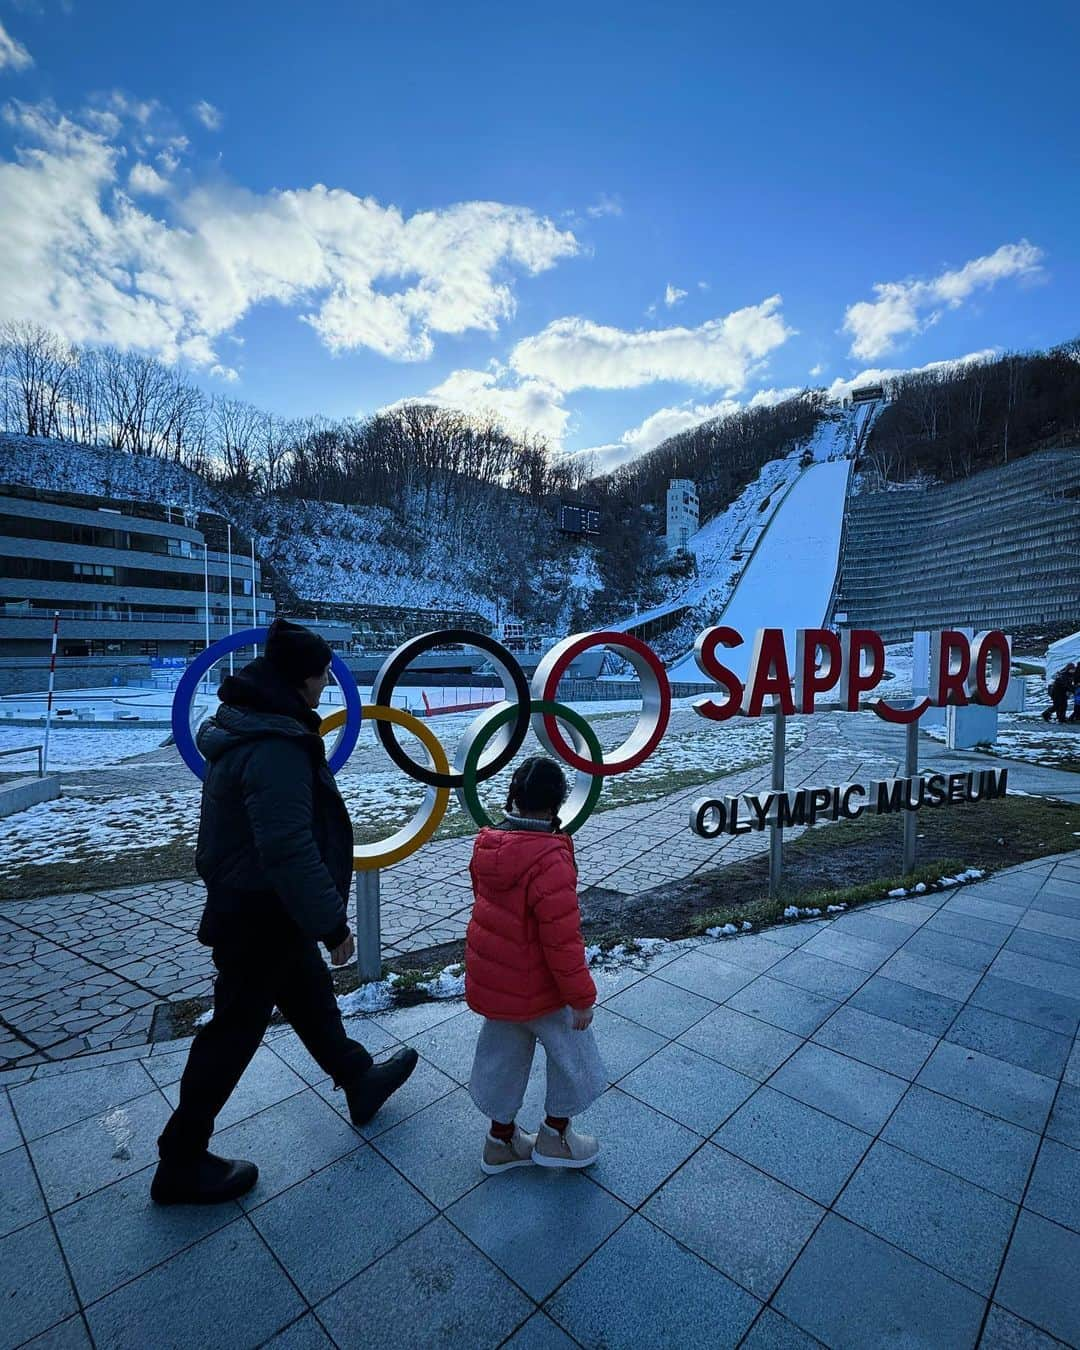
(790, 577)
(61, 466)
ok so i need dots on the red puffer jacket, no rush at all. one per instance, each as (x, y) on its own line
(524, 954)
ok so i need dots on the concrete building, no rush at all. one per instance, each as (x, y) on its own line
(127, 578)
(682, 513)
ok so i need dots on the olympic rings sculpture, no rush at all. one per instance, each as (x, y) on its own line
(491, 740)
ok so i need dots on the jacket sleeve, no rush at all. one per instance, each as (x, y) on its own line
(279, 801)
(553, 896)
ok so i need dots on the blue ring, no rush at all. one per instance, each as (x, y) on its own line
(189, 683)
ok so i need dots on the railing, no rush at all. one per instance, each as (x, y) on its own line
(29, 750)
(240, 617)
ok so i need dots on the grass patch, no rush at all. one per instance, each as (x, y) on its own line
(764, 912)
(168, 862)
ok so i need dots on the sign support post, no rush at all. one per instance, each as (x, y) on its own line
(52, 682)
(911, 819)
(776, 834)
(368, 927)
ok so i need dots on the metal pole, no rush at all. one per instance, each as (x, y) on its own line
(206, 608)
(911, 818)
(52, 680)
(368, 929)
(228, 527)
(776, 834)
(254, 608)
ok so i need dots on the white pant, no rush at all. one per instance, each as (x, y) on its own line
(504, 1053)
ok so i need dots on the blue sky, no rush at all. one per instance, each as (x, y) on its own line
(603, 221)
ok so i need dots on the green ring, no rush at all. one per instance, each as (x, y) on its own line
(508, 714)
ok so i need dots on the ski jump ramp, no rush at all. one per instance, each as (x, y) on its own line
(789, 580)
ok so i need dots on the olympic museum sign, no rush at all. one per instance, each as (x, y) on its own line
(848, 666)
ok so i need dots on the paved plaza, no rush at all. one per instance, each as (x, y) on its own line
(856, 1132)
(85, 972)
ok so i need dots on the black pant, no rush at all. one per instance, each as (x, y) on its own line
(1059, 706)
(249, 985)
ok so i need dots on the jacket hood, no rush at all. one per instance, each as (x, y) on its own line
(256, 703)
(501, 858)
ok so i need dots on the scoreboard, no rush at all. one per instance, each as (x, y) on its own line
(578, 519)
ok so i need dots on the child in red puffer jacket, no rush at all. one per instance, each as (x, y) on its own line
(526, 974)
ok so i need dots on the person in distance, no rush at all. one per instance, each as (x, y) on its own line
(527, 976)
(275, 852)
(1059, 689)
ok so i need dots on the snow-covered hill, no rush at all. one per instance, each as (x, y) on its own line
(62, 466)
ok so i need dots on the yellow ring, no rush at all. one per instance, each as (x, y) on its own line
(429, 815)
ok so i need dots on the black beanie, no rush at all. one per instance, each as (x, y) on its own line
(296, 652)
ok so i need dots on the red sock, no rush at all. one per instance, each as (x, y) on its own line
(502, 1131)
(557, 1122)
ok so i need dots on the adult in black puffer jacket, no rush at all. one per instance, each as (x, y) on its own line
(275, 852)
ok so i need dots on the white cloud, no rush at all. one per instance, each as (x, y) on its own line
(575, 353)
(604, 206)
(208, 115)
(362, 274)
(526, 406)
(767, 398)
(819, 369)
(145, 178)
(666, 422)
(13, 55)
(841, 387)
(903, 308)
(672, 295)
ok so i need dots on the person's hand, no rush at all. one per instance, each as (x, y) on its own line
(582, 1018)
(344, 953)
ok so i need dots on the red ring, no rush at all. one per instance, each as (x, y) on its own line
(663, 689)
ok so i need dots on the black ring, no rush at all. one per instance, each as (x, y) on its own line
(391, 672)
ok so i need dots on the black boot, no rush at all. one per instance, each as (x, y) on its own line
(209, 1180)
(368, 1093)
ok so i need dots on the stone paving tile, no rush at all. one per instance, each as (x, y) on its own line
(639, 1147)
(426, 1085)
(21, 1201)
(85, 1157)
(818, 974)
(35, 1291)
(745, 1043)
(244, 1297)
(689, 1087)
(963, 1140)
(1027, 1004)
(69, 1335)
(783, 1005)
(874, 1040)
(705, 975)
(1064, 1123)
(1054, 1189)
(456, 1296)
(642, 1288)
(841, 1087)
(313, 1229)
(765, 1223)
(852, 1290)
(793, 1142)
(266, 1081)
(574, 1206)
(305, 1334)
(904, 1003)
(663, 1008)
(1002, 1089)
(773, 1332)
(540, 1333)
(437, 1148)
(952, 1225)
(451, 1044)
(1038, 1281)
(141, 1234)
(623, 1044)
(291, 1140)
(1031, 1047)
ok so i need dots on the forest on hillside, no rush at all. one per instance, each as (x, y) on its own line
(952, 422)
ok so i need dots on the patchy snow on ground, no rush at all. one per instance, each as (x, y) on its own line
(78, 747)
(71, 828)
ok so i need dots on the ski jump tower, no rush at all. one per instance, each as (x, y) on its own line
(682, 513)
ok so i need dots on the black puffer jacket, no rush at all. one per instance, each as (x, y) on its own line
(275, 840)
